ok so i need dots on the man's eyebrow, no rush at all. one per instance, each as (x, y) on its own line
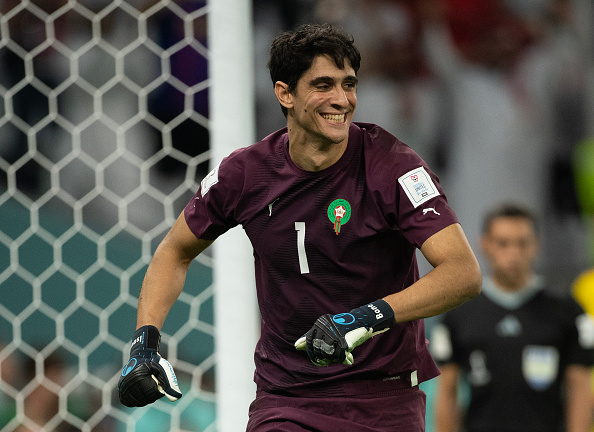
(328, 79)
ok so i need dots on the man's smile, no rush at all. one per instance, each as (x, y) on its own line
(335, 118)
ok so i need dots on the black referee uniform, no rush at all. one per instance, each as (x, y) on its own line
(513, 349)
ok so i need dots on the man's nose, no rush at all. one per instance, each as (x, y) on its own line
(339, 97)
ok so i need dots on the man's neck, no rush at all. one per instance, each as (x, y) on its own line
(311, 155)
(512, 299)
(510, 285)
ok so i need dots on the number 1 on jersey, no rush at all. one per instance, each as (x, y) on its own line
(300, 228)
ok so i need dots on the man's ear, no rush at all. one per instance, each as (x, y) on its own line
(283, 95)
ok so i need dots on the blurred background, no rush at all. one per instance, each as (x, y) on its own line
(104, 137)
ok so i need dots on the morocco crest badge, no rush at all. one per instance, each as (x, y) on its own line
(339, 213)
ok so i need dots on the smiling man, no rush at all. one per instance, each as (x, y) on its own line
(335, 211)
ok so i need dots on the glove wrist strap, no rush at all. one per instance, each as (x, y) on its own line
(377, 315)
(145, 338)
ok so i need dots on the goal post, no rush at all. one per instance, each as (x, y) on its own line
(232, 120)
(105, 133)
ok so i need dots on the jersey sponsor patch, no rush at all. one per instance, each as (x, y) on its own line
(418, 186)
(211, 179)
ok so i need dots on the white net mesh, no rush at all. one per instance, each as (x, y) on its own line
(103, 139)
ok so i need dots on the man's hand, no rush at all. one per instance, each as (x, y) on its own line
(333, 338)
(147, 376)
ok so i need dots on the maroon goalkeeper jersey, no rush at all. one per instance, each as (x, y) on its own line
(327, 242)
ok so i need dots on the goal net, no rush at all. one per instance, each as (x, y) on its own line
(104, 137)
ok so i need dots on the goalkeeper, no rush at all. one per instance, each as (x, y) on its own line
(335, 211)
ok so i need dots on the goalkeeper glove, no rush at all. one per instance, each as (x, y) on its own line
(333, 338)
(147, 376)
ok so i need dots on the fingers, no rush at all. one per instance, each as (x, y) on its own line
(301, 343)
(158, 385)
(137, 389)
(356, 337)
(322, 346)
(318, 348)
(322, 349)
(323, 362)
(171, 398)
(167, 381)
(323, 353)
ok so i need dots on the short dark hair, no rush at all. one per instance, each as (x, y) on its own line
(293, 52)
(509, 210)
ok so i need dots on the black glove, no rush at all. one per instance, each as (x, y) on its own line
(333, 338)
(147, 376)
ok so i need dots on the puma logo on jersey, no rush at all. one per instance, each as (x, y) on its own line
(427, 210)
(270, 207)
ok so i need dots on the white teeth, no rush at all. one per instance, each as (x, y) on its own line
(334, 117)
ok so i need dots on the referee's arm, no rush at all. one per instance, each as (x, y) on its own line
(447, 412)
(579, 404)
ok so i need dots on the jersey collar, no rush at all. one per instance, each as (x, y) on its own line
(509, 300)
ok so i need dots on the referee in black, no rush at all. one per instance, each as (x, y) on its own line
(525, 352)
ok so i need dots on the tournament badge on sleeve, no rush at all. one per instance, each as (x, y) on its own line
(339, 213)
(418, 186)
(540, 366)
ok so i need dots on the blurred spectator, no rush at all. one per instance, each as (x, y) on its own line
(10, 380)
(170, 104)
(511, 87)
(29, 105)
(525, 353)
(269, 19)
(42, 401)
(583, 169)
(398, 88)
(288, 14)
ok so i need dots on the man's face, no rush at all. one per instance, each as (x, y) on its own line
(511, 247)
(323, 103)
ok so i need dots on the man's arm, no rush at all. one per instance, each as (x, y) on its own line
(447, 412)
(148, 376)
(578, 409)
(166, 274)
(455, 278)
